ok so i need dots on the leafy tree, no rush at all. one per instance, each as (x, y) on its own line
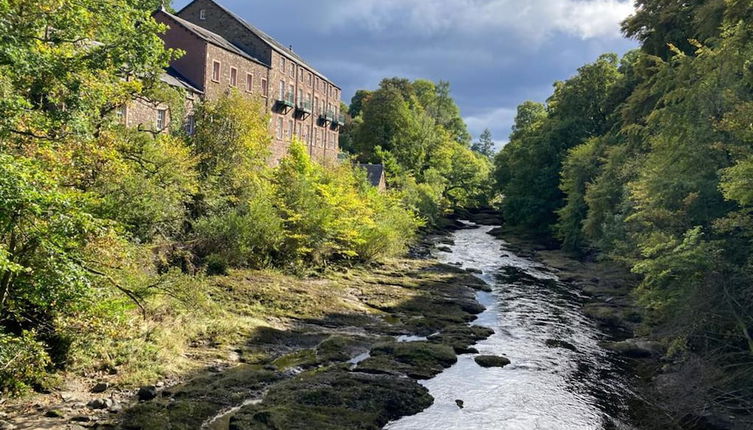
(528, 169)
(485, 145)
(66, 63)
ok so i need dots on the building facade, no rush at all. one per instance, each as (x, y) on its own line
(223, 52)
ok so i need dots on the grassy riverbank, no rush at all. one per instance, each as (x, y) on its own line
(263, 331)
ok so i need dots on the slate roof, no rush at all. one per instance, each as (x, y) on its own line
(374, 173)
(268, 39)
(173, 78)
(210, 37)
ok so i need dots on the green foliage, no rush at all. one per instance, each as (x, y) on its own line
(88, 56)
(23, 361)
(528, 168)
(148, 186)
(332, 214)
(649, 163)
(485, 144)
(416, 131)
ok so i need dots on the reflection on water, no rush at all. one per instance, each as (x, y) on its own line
(559, 377)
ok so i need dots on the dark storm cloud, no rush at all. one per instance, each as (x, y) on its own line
(495, 53)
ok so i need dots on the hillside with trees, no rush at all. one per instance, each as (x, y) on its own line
(646, 160)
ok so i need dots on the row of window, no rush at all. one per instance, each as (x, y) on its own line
(217, 75)
(307, 133)
(288, 92)
(289, 67)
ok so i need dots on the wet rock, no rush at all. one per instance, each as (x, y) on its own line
(147, 393)
(444, 249)
(636, 348)
(5, 425)
(81, 419)
(334, 399)
(418, 360)
(101, 387)
(68, 397)
(461, 338)
(474, 271)
(606, 315)
(99, 404)
(54, 413)
(460, 403)
(115, 407)
(556, 343)
(492, 361)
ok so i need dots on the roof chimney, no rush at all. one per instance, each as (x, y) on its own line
(291, 47)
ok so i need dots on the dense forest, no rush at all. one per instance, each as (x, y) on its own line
(108, 234)
(646, 160)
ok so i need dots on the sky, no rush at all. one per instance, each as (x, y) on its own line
(496, 54)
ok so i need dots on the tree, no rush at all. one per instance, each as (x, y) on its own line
(485, 145)
(66, 63)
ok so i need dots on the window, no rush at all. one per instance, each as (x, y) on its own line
(249, 82)
(282, 64)
(311, 79)
(161, 119)
(316, 105)
(203, 14)
(216, 71)
(300, 96)
(292, 69)
(318, 138)
(279, 128)
(190, 125)
(121, 113)
(298, 131)
(289, 131)
(233, 76)
(264, 88)
(282, 90)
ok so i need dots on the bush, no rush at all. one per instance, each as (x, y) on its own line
(23, 361)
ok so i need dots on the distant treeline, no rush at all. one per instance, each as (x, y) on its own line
(648, 160)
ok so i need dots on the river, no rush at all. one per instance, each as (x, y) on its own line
(560, 378)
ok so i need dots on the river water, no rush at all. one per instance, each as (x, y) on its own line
(560, 378)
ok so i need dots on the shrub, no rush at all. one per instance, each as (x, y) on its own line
(23, 361)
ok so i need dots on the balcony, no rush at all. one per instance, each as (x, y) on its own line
(304, 109)
(340, 120)
(287, 103)
(327, 117)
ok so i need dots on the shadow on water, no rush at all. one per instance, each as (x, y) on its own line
(347, 370)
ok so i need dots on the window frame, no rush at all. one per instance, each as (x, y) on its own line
(233, 76)
(249, 82)
(216, 71)
(203, 14)
(160, 121)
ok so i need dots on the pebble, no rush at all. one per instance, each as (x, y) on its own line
(147, 393)
(460, 403)
(99, 404)
(100, 387)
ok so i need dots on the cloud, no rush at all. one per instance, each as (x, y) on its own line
(529, 20)
(498, 120)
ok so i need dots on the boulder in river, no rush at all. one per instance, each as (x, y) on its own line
(492, 361)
